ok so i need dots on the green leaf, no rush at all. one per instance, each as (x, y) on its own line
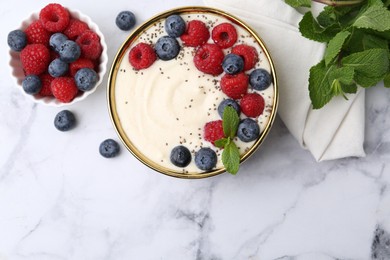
(375, 17)
(299, 3)
(327, 17)
(310, 29)
(220, 143)
(386, 79)
(372, 63)
(344, 74)
(335, 45)
(374, 42)
(319, 85)
(231, 158)
(367, 81)
(230, 122)
(350, 89)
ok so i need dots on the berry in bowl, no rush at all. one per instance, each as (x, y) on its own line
(58, 56)
(192, 92)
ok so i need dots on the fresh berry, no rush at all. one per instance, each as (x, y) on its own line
(252, 105)
(142, 56)
(235, 86)
(32, 84)
(125, 20)
(54, 55)
(46, 80)
(17, 40)
(167, 48)
(56, 40)
(35, 58)
(64, 120)
(260, 79)
(79, 64)
(228, 102)
(196, 34)
(75, 28)
(213, 131)
(180, 156)
(89, 43)
(205, 159)
(208, 59)
(248, 130)
(69, 51)
(175, 25)
(248, 53)
(36, 33)
(109, 148)
(232, 64)
(58, 68)
(64, 89)
(86, 79)
(54, 17)
(224, 35)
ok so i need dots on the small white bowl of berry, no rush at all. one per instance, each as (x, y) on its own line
(58, 56)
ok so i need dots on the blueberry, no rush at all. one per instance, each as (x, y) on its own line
(86, 79)
(167, 48)
(205, 159)
(58, 68)
(109, 148)
(260, 79)
(17, 40)
(32, 84)
(180, 156)
(56, 40)
(65, 120)
(248, 130)
(232, 63)
(125, 20)
(69, 51)
(175, 25)
(228, 102)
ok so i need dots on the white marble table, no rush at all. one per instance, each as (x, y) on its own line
(59, 199)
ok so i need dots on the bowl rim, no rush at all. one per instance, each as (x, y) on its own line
(115, 68)
(18, 74)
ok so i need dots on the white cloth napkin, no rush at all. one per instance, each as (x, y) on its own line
(336, 130)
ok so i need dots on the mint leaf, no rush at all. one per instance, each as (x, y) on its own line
(351, 88)
(372, 63)
(299, 3)
(386, 80)
(367, 81)
(310, 29)
(220, 143)
(335, 45)
(344, 74)
(327, 17)
(230, 121)
(231, 158)
(374, 42)
(375, 17)
(319, 85)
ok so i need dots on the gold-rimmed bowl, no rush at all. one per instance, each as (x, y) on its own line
(113, 96)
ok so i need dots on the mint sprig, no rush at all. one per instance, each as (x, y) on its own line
(357, 35)
(230, 153)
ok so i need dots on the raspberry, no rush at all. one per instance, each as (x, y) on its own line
(64, 89)
(54, 17)
(89, 43)
(248, 53)
(209, 58)
(224, 35)
(36, 33)
(80, 64)
(35, 58)
(252, 105)
(46, 80)
(213, 131)
(75, 29)
(142, 56)
(196, 34)
(235, 86)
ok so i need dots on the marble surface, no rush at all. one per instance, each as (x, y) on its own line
(59, 199)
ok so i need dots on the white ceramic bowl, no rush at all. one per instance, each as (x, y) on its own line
(18, 74)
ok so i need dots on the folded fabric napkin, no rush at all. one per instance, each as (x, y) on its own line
(336, 130)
